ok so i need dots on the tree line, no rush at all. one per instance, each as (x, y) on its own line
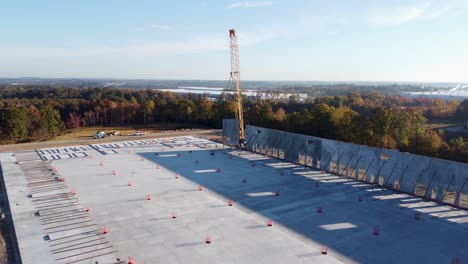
(391, 122)
(394, 122)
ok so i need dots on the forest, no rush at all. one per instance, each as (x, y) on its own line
(38, 112)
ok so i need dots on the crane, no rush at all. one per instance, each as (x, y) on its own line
(235, 76)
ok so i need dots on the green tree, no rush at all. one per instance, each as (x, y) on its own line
(52, 124)
(14, 123)
(382, 120)
(148, 110)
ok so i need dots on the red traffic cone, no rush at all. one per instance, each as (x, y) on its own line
(270, 223)
(208, 239)
(324, 250)
(376, 231)
(417, 216)
(105, 230)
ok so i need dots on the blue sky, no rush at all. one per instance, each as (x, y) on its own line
(332, 40)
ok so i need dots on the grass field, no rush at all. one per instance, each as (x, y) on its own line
(88, 132)
(85, 135)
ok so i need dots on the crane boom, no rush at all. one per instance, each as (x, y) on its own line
(235, 75)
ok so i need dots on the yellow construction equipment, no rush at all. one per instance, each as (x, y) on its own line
(235, 76)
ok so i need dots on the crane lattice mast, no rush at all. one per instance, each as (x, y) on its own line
(235, 76)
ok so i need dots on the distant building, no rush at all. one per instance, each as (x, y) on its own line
(459, 93)
(216, 93)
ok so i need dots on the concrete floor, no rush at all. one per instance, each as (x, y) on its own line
(145, 229)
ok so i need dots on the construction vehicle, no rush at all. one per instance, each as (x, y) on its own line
(235, 77)
(99, 134)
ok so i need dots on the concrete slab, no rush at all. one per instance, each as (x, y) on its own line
(309, 209)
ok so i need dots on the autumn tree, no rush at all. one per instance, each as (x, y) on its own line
(148, 110)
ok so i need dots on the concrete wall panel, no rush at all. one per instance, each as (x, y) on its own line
(230, 132)
(435, 179)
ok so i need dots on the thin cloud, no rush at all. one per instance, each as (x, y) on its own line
(250, 4)
(203, 44)
(409, 13)
(150, 27)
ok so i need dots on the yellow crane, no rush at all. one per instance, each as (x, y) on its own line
(235, 76)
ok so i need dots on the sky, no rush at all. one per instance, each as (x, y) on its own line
(316, 40)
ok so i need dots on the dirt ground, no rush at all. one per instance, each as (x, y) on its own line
(88, 132)
(84, 136)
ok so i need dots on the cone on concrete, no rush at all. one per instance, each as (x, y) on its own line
(114, 172)
(208, 239)
(177, 176)
(148, 197)
(63, 179)
(157, 167)
(324, 250)
(142, 159)
(270, 223)
(105, 230)
(73, 192)
(88, 209)
(376, 231)
(129, 183)
(200, 188)
(174, 215)
(417, 215)
(131, 260)
(230, 203)
(101, 163)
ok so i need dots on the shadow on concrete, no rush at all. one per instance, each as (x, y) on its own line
(403, 236)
